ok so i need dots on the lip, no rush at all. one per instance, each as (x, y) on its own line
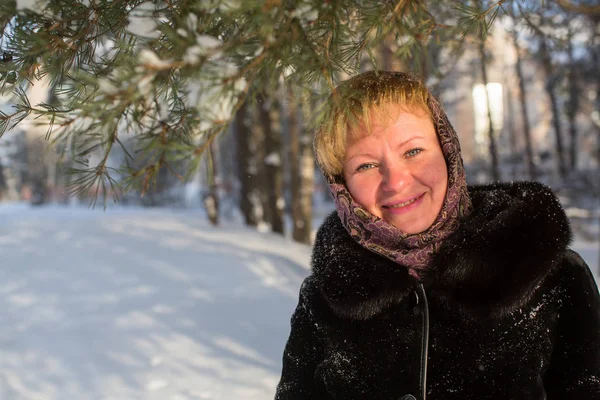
(400, 210)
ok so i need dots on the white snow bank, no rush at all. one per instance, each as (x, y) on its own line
(145, 304)
(141, 304)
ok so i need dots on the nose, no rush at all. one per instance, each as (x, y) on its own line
(395, 176)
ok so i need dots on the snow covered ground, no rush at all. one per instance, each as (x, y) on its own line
(144, 304)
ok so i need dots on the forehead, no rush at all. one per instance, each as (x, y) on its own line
(381, 117)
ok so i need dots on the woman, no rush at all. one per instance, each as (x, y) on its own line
(422, 287)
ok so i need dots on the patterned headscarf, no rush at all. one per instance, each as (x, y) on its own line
(412, 251)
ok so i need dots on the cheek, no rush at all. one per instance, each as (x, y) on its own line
(362, 190)
(443, 180)
(438, 177)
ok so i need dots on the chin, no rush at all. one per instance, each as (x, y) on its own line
(412, 229)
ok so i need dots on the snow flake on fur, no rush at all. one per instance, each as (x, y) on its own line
(513, 239)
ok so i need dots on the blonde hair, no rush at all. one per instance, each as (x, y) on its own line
(358, 100)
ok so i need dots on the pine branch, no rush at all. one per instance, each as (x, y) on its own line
(176, 90)
(589, 10)
(474, 19)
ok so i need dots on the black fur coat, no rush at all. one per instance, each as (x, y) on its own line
(513, 314)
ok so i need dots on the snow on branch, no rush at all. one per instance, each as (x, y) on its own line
(171, 73)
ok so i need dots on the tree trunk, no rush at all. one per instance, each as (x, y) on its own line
(572, 107)
(524, 114)
(512, 134)
(389, 60)
(3, 185)
(307, 168)
(298, 230)
(246, 169)
(211, 200)
(387, 55)
(269, 116)
(36, 173)
(596, 58)
(301, 171)
(550, 84)
(491, 134)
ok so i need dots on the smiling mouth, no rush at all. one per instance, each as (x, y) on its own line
(404, 204)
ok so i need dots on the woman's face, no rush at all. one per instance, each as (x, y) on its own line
(398, 171)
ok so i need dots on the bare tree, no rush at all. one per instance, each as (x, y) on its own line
(246, 166)
(573, 103)
(491, 134)
(514, 148)
(524, 112)
(211, 199)
(270, 122)
(550, 86)
(3, 185)
(301, 165)
(36, 173)
(595, 23)
(552, 77)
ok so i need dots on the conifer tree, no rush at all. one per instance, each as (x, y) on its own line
(173, 72)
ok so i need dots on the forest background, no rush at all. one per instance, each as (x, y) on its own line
(212, 104)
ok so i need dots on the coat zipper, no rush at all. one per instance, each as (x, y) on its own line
(425, 340)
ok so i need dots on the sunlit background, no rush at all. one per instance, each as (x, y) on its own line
(184, 289)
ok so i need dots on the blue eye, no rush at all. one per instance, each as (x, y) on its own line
(366, 166)
(413, 152)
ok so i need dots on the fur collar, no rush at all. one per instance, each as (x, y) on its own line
(491, 265)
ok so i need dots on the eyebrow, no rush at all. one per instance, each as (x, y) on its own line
(397, 147)
(408, 140)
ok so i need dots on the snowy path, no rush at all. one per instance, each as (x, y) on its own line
(141, 305)
(144, 304)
